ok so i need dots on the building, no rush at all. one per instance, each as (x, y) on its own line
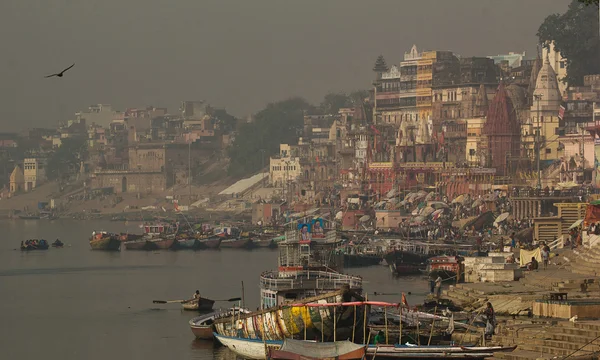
(17, 180)
(434, 68)
(558, 63)
(502, 131)
(543, 115)
(512, 59)
(34, 172)
(101, 114)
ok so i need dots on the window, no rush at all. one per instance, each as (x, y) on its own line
(548, 151)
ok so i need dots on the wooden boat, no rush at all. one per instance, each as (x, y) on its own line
(202, 326)
(139, 244)
(163, 243)
(311, 316)
(361, 260)
(446, 267)
(212, 242)
(129, 237)
(248, 348)
(187, 244)
(29, 217)
(34, 245)
(203, 305)
(105, 241)
(406, 263)
(239, 243)
(265, 243)
(308, 350)
(434, 352)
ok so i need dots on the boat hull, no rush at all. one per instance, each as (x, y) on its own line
(237, 244)
(361, 260)
(164, 244)
(205, 305)
(202, 326)
(249, 348)
(210, 243)
(139, 245)
(405, 262)
(187, 244)
(106, 244)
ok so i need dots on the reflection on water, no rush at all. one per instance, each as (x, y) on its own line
(101, 302)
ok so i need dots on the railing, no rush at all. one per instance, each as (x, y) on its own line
(306, 279)
(556, 244)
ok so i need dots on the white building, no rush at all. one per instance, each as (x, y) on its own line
(100, 114)
(34, 171)
(558, 63)
(284, 167)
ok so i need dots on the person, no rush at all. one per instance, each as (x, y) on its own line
(513, 241)
(432, 285)
(304, 233)
(534, 264)
(197, 297)
(438, 286)
(379, 338)
(545, 256)
(317, 228)
(491, 319)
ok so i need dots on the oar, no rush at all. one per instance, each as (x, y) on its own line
(231, 300)
(168, 301)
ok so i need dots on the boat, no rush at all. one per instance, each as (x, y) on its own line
(202, 326)
(105, 241)
(58, 244)
(311, 317)
(139, 244)
(308, 350)
(187, 243)
(237, 243)
(34, 244)
(211, 242)
(403, 262)
(434, 352)
(129, 237)
(163, 243)
(361, 260)
(194, 305)
(248, 348)
(29, 217)
(446, 267)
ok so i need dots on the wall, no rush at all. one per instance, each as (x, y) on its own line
(282, 170)
(143, 182)
(388, 219)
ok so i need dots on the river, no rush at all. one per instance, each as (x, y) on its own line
(74, 303)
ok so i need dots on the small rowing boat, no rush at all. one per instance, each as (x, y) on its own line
(194, 305)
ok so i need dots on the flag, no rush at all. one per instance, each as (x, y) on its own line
(375, 130)
(404, 302)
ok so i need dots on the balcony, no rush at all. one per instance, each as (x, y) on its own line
(307, 280)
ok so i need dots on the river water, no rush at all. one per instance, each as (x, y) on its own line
(74, 303)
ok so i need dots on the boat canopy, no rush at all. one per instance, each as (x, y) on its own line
(298, 349)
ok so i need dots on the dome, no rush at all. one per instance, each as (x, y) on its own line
(517, 96)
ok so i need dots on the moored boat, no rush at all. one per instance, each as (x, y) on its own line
(248, 348)
(239, 243)
(187, 244)
(211, 242)
(446, 267)
(105, 241)
(139, 244)
(202, 326)
(361, 260)
(194, 305)
(163, 243)
(405, 262)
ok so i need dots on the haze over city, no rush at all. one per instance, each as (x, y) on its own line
(235, 54)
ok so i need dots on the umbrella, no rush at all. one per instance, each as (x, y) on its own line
(438, 204)
(339, 215)
(418, 219)
(502, 217)
(476, 203)
(415, 211)
(458, 199)
(429, 196)
(391, 193)
(427, 211)
(364, 218)
(436, 214)
(576, 224)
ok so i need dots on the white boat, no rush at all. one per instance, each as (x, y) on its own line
(249, 348)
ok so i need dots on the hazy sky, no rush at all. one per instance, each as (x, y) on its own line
(240, 54)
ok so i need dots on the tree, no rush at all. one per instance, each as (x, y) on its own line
(255, 142)
(67, 159)
(575, 35)
(333, 102)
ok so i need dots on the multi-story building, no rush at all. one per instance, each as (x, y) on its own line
(284, 167)
(101, 114)
(34, 172)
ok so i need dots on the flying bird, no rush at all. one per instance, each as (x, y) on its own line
(60, 74)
